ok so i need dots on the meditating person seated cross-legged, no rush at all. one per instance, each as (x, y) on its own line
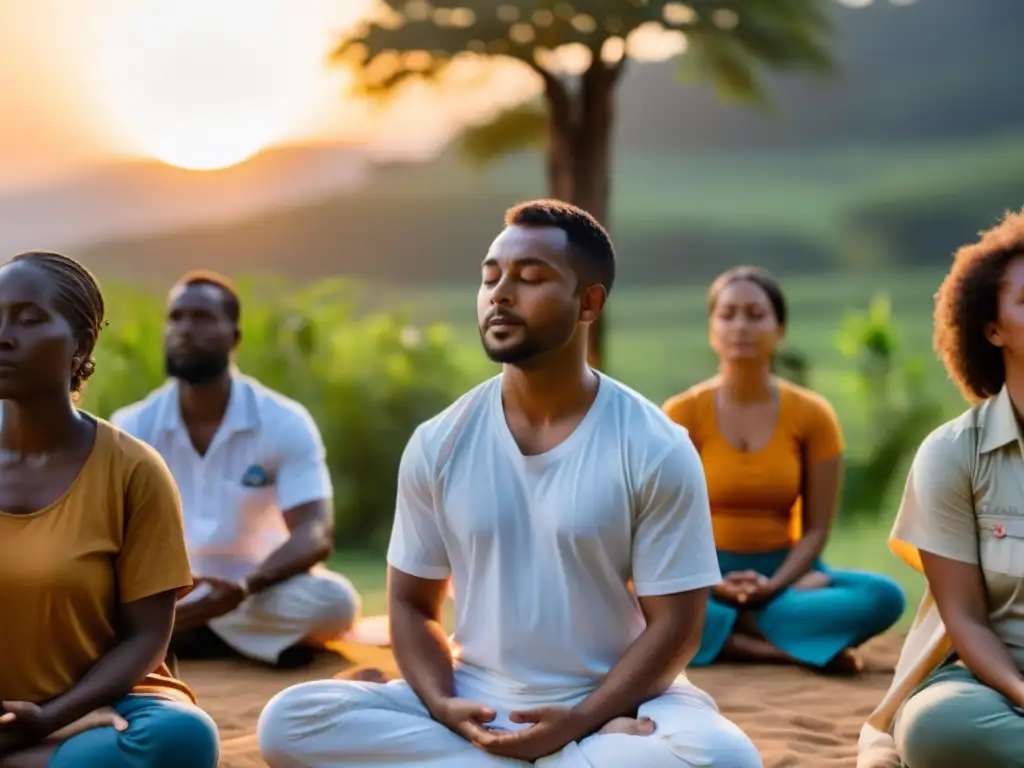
(92, 552)
(772, 454)
(542, 492)
(257, 493)
(957, 698)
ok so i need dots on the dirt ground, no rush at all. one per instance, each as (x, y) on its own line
(797, 719)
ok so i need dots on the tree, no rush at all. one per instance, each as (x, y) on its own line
(579, 51)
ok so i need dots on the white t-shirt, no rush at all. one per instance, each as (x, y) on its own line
(266, 458)
(541, 548)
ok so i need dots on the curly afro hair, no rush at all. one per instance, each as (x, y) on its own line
(968, 301)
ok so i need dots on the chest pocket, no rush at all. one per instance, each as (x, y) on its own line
(1001, 544)
(1000, 525)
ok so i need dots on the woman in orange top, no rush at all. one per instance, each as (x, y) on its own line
(772, 454)
(92, 551)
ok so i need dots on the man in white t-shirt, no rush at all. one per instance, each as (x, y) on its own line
(256, 494)
(543, 493)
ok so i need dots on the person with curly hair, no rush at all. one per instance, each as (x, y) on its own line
(772, 453)
(957, 697)
(92, 551)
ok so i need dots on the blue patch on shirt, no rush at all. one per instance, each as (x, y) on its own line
(256, 477)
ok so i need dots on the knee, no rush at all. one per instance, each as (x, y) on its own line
(295, 715)
(934, 732)
(182, 735)
(887, 600)
(338, 609)
(727, 747)
(719, 744)
(276, 730)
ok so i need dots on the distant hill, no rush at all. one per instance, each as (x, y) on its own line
(138, 198)
(676, 216)
(934, 69)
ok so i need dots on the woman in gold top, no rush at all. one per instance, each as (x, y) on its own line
(957, 698)
(772, 455)
(92, 552)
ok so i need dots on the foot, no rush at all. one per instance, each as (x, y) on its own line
(847, 662)
(630, 726)
(741, 647)
(364, 675)
(296, 657)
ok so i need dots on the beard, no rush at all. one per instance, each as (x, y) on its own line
(198, 369)
(528, 349)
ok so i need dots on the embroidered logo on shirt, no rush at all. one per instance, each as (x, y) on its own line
(256, 477)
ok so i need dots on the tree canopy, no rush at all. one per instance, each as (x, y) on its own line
(729, 42)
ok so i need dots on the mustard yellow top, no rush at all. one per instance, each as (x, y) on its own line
(755, 495)
(115, 536)
(962, 501)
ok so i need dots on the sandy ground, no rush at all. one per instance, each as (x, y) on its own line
(798, 719)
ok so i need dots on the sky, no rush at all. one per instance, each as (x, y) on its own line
(195, 83)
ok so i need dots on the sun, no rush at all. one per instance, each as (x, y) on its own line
(206, 84)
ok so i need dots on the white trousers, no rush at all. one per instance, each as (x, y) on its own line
(342, 724)
(315, 607)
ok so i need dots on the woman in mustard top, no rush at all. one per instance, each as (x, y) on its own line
(92, 552)
(772, 454)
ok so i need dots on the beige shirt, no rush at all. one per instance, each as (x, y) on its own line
(964, 500)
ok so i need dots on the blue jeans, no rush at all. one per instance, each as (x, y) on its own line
(160, 734)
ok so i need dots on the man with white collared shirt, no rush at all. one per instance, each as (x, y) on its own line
(250, 466)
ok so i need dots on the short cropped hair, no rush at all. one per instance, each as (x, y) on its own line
(588, 240)
(968, 301)
(232, 303)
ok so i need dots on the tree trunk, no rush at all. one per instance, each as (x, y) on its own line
(580, 128)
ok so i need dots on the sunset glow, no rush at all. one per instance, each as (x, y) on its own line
(206, 84)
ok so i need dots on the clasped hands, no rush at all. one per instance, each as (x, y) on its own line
(746, 588)
(551, 728)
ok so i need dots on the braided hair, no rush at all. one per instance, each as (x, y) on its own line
(79, 300)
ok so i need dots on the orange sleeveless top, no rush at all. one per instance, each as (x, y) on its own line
(755, 495)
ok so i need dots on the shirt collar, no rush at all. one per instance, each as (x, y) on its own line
(240, 416)
(1000, 426)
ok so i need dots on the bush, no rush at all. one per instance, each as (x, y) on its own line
(367, 379)
(899, 405)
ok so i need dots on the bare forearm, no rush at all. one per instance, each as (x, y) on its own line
(303, 550)
(110, 680)
(988, 658)
(800, 560)
(423, 654)
(645, 671)
(190, 616)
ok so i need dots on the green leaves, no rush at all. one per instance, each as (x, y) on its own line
(517, 128)
(869, 334)
(728, 42)
(367, 379)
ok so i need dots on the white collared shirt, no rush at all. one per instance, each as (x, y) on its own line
(266, 458)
